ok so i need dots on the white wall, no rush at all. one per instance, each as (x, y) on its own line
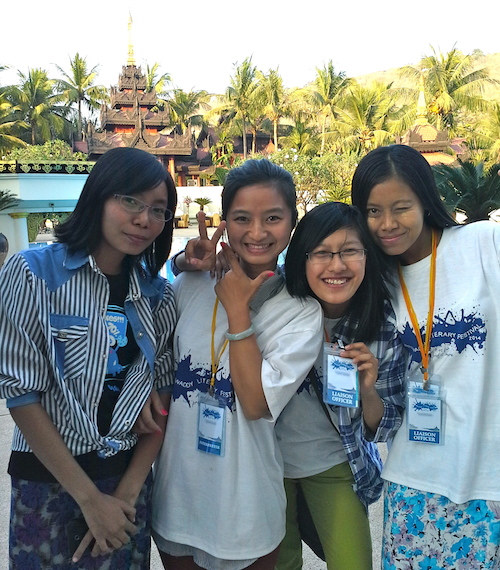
(59, 193)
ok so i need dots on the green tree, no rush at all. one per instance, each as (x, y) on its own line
(326, 92)
(337, 171)
(452, 81)
(469, 189)
(271, 88)
(222, 151)
(303, 135)
(318, 178)
(78, 88)
(202, 202)
(364, 121)
(239, 96)
(56, 150)
(7, 200)
(484, 137)
(10, 127)
(40, 105)
(185, 108)
(156, 81)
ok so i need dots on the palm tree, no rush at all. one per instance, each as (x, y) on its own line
(78, 87)
(239, 95)
(185, 108)
(364, 121)
(452, 81)
(484, 139)
(303, 135)
(39, 104)
(470, 189)
(156, 81)
(274, 97)
(222, 150)
(7, 200)
(326, 92)
(9, 126)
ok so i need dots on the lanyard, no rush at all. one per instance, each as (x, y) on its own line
(424, 347)
(215, 361)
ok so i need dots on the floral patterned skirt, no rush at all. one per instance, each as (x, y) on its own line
(38, 538)
(424, 531)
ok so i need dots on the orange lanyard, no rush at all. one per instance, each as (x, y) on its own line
(215, 360)
(424, 347)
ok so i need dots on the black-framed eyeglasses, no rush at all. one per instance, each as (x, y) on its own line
(323, 257)
(136, 206)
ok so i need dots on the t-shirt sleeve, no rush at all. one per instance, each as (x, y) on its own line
(290, 354)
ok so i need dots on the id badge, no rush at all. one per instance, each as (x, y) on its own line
(424, 412)
(341, 384)
(211, 425)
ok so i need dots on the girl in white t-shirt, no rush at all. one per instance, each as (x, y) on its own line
(442, 498)
(242, 346)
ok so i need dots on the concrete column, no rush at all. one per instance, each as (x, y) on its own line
(20, 232)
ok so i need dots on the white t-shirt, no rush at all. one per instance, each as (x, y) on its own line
(232, 507)
(308, 441)
(465, 354)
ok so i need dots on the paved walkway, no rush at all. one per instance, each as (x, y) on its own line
(311, 562)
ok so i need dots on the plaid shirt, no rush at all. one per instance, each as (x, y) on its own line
(359, 443)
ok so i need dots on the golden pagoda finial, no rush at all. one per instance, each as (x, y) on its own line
(130, 59)
(421, 105)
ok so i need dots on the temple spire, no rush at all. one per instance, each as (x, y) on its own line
(130, 59)
(421, 105)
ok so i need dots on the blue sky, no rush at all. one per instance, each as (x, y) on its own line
(198, 43)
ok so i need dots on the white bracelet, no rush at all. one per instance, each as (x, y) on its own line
(241, 335)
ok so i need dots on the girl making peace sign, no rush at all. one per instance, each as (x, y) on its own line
(242, 346)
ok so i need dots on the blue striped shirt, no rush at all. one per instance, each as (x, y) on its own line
(54, 344)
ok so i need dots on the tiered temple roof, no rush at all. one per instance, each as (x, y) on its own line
(133, 119)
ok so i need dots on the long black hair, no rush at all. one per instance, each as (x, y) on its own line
(366, 309)
(409, 166)
(119, 171)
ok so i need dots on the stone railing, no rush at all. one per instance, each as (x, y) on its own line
(45, 166)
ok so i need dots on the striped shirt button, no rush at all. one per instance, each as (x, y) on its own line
(140, 334)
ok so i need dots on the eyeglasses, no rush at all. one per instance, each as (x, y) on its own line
(137, 206)
(323, 257)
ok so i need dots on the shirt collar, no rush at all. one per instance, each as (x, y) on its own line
(269, 288)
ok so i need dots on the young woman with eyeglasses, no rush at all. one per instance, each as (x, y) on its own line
(442, 498)
(85, 334)
(329, 449)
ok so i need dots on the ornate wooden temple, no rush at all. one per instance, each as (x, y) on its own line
(434, 145)
(134, 119)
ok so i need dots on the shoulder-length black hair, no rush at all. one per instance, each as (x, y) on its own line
(119, 171)
(409, 166)
(366, 309)
(260, 171)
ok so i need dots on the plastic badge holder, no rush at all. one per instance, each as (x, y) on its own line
(341, 385)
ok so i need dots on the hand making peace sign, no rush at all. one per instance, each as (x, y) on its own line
(200, 252)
